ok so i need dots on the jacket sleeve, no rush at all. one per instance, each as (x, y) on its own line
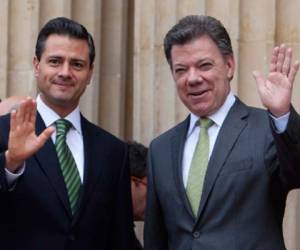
(122, 225)
(155, 233)
(288, 151)
(4, 130)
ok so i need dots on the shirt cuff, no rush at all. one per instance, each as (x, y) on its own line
(281, 122)
(12, 177)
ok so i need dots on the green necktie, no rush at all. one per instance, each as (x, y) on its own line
(198, 166)
(67, 162)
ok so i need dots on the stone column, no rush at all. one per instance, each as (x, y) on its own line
(144, 71)
(54, 8)
(3, 47)
(113, 66)
(257, 30)
(23, 29)
(288, 32)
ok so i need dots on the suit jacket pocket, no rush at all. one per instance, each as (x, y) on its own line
(236, 166)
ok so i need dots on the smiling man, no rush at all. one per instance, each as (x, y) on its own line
(64, 181)
(219, 179)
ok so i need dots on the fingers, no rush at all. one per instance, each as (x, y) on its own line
(281, 58)
(293, 72)
(281, 61)
(274, 59)
(27, 111)
(45, 135)
(287, 62)
(13, 120)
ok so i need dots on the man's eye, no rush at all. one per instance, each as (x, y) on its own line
(53, 62)
(206, 66)
(179, 70)
(78, 65)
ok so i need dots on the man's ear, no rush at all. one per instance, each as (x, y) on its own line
(230, 63)
(35, 64)
(91, 73)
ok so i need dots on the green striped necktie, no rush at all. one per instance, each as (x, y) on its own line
(198, 166)
(67, 162)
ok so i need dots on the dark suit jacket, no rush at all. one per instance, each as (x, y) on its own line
(36, 214)
(250, 172)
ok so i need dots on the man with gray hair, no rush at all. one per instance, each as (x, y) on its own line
(219, 179)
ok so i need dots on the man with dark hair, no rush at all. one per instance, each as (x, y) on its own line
(64, 181)
(138, 165)
(219, 179)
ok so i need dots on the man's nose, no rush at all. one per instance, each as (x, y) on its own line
(65, 70)
(194, 76)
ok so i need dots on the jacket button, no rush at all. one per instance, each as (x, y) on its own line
(196, 234)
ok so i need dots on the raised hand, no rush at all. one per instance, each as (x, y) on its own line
(23, 141)
(276, 91)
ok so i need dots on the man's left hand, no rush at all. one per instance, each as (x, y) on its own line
(276, 91)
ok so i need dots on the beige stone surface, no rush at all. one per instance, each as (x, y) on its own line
(3, 46)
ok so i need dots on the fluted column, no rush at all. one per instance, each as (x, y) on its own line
(144, 71)
(288, 32)
(113, 66)
(257, 30)
(54, 8)
(23, 29)
(3, 47)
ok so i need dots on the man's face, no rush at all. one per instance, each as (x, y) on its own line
(138, 194)
(63, 72)
(202, 75)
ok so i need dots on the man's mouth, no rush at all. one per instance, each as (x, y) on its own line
(198, 93)
(62, 83)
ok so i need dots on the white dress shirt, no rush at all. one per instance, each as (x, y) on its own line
(218, 119)
(74, 137)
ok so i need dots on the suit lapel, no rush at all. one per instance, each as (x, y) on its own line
(178, 141)
(48, 162)
(232, 127)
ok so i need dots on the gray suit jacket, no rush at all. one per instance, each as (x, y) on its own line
(250, 172)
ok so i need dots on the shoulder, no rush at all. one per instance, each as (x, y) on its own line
(98, 135)
(177, 131)
(249, 112)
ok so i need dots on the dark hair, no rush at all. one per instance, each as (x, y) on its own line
(137, 159)
(67, 27)
(192, 27)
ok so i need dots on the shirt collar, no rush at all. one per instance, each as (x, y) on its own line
(49, 116)
(218, 117)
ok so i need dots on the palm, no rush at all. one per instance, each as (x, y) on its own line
(23, 141)
(276, 91)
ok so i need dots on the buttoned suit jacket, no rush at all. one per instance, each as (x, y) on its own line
(250, 171)
(35, 213)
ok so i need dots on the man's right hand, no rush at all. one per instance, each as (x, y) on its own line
(23, 141)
